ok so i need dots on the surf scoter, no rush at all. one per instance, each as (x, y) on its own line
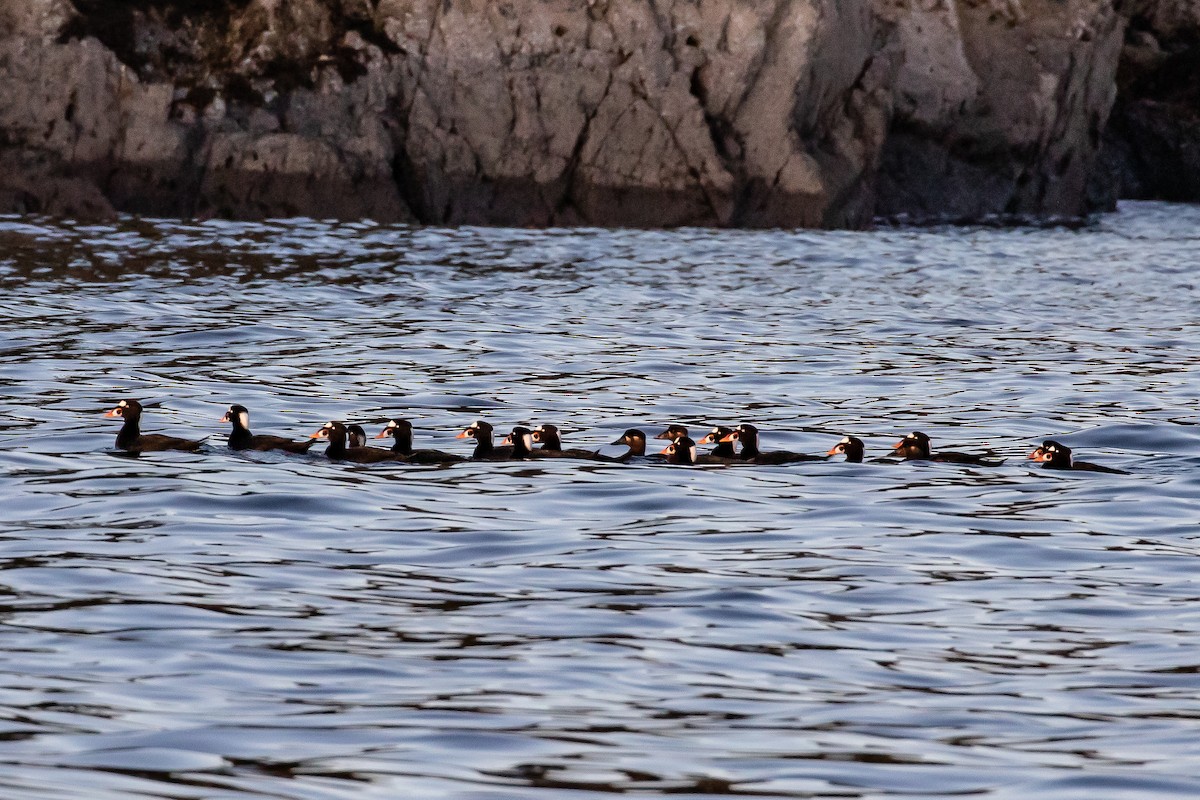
(485, 450)
(672, 432)
(916, 447)
(852, 446)
(520, 442)
(551, 446)
(723, 449)
(1053, 455)
(337, 434)
(747, 434)
(356, 436)
(240, 437)
(131, 439)
(402, 431)
(635, 440)
(680, 451)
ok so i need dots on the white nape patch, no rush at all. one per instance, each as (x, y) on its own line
(243, 419)
(528, 439)
(692, 451)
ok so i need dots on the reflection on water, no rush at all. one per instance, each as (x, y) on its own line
(259, 625)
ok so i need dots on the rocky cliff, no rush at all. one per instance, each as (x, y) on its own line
(558, 112)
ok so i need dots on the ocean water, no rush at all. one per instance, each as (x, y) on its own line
(232, 625)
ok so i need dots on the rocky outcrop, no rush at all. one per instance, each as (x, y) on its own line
(1000, 107)
(1152, 146)
(707, 112)
(538, 112)
(137, 108)
(794, 113)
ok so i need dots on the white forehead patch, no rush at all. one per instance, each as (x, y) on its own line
(121, 404)
(845, 440)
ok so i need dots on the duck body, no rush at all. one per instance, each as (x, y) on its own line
(551, 446)
(131, 439)
(747, 435)
(485, 449)
(916, 446)
(338, 450)
(1054, 455)
(240, 437)
(402, 431)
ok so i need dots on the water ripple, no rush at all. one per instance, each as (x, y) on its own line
(257, 625)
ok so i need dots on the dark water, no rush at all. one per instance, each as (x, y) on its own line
(260, 626)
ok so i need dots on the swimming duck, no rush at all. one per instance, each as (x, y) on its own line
(131, 439)
(1053, 455)
(747, 434)
(672, 432)
(551, 446)
(852, 446)
(916, 447)
(485, 450)
(635, 440)
(680, 451)
(520, 442)
(356, 436)
(337, 435)
(723, 449)
(240, 437)
(402, 430)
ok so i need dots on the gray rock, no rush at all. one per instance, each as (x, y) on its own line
(791, 113)
(1000, 107)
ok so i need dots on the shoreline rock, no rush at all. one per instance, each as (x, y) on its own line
(790, 113)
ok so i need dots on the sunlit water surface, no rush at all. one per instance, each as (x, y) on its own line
(225, 625)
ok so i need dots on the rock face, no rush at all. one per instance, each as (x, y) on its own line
(1152, 146)
(795, 113)
(1000, 107)
(531, 112)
